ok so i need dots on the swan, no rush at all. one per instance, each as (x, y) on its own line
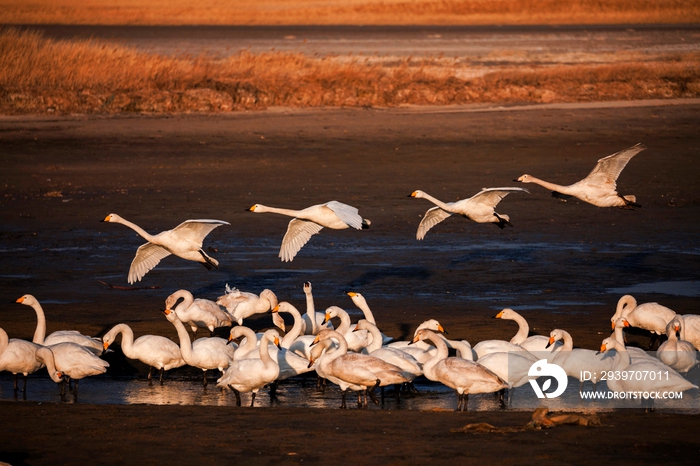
(678, 354)
(618, 334)
(76, 362)
(407, 363)
(294, 341)
(204, 353)
(185, 241)
(250, 375)
(361, 303)
(307, 222)
(61, 336)
(533, 343)
(242, 305)
(690, 329)
(198, 312)
(352, 370)
(355, 340)
(599, 187)
(648, 316)
(577, 361)
(313, 321)
(421, 350)
(153, 350)
(669, 381)
(248, 344)
(480, 208)
(19, 357)
(465, 377)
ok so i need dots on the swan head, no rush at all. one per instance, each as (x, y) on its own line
(27, 300)
(431, 324)
(170, 315)
(256, 208)
(417, 193)
(505, 313)
(423, 334)
(307, 287)
(113, 218)
(608, 344)
(524, 179)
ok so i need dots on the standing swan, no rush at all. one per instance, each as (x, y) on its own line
(479, 208)
(599, 187)
(185, 241)
(19, 357)
(307, 222)
(153, 350)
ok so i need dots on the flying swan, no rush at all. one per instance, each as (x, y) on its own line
(185, 240)
(307, 222)
(479, 208)
(599, 187)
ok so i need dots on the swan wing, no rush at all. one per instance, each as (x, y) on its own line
(197, 230)
(431, 218)
(347, 213)
(147, 257)
(298, 234)
(608, 169)
(492, 196)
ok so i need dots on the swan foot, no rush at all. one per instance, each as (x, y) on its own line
(208, 261)
(462, 400)
(502, 222)
(560, 196)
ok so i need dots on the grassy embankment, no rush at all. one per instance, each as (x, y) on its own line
(39, 75)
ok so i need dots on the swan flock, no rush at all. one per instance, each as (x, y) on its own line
(356, 357)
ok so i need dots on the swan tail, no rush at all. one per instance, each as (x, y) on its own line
(630, 201)
(560, 196)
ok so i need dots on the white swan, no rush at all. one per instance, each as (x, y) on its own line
(355, 340)
(242, 305)
(352, 370)
(18, 357)
(198, 312)
(481, 208)
(421, 350)
(76, 362)
(313, 321)
(600, 186)
(61, 336)
(690, 329)
(678, 354)
(307, 222)
(407, 363)
(185, 241)
(648, 316)
(533, 343)
(464, 376)
(204, 353)
(361, 303)
(576, 361)
(293, 340)
(669, 379)
(250, 375)
(618, 334)
(153, 350)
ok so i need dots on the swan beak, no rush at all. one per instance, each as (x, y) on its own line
(327, 318)
(20, 300)
(499, 315)
(105, 345)
(352, 294)
(413, 194)
(626, 323)
(613, 325)
(167, 311)
(602, 348)
(277, 343)
(106, 219)
(442, 330)
(415, 340)
(59, 375)
(311, 363)
(316, 340)
(551, 342)
(250, 209)
(276, 308)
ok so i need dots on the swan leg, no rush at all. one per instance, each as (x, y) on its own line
(24, 384)
(342, 405)
(162, 373)
(205, 381)
(208, 262)
(273, 390)
(238, 395)
(370, 392)
(15, 378)
(150, 371)
(252, 400)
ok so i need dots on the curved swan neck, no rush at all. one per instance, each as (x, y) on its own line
(185, 342)
(295, 331)
(568, 341)
(364, 307)
(441, 353)
(344, 326)
(187, 300)
(265, 350)
(251, 340)
(523, 328)
(436, 201)
(40, 332)
(376, 335)
(127, 338)
(143, 233)
(342, 346)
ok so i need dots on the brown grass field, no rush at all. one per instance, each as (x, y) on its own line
(39, 75)
(398, 12)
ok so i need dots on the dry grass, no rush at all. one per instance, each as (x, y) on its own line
(39, 75)
(249, 12)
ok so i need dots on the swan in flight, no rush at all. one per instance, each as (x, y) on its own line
(60, 336)
(479, 208)
(599, 187)
(185, 241)
(241, 305)
(153, 350)
(204, 353)
(198, 312)
(307, 222)
(462, 375)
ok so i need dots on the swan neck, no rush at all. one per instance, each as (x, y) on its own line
(311, 313)
(364, 307)
(296, 329)
(127, 338)
(4, 341)
(344, 326)
(40, 332)
(143, 233)
(376, 338)
(437, 202)
(523, 329)
(568, 342)
(185, 342)
(278, 210)
(551, 186)
(265, 350)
